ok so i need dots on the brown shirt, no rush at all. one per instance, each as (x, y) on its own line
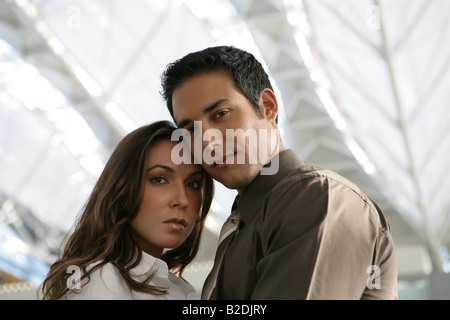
(308, 233)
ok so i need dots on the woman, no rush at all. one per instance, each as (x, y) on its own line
(140, 227)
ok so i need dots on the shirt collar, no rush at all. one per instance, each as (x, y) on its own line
(255, 192)
(149, 264)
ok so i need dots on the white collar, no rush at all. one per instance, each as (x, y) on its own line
(148, 264)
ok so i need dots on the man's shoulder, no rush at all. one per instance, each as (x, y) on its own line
(313, 176)
(310, 175)
(310, 183)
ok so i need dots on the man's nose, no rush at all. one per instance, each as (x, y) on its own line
(211, 137)
(213, 148)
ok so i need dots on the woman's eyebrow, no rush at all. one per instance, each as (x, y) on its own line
(160, 166)
(197, 173)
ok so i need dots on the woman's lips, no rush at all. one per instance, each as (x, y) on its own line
(176, 224)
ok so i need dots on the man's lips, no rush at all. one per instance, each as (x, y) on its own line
(176, 224)
(225, 161)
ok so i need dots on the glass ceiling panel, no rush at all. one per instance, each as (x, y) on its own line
(118, 51)
(43, 142)
(389, 65)
(125, 45)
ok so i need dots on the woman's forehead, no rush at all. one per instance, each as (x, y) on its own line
(160, 153)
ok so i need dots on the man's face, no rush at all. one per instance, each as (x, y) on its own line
(213, 100)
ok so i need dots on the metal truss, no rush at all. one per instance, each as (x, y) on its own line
(333, 101)
(301, 48)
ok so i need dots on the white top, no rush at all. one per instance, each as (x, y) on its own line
(106, 283)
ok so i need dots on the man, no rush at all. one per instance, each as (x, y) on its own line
(304, 232)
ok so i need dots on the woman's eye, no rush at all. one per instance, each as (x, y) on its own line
(193, 129)
(194, 185)
(158, 180)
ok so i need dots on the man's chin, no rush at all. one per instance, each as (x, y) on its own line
(236, 179)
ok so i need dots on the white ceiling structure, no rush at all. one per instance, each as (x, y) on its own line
(363, 86)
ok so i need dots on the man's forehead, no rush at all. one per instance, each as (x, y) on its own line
(200, 94)
(184, 114)
(184, 105)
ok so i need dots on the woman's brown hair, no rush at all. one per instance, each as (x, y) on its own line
(103, 232)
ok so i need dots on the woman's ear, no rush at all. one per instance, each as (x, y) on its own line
(269, 104)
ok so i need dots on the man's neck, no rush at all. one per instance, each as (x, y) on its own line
(276, 153)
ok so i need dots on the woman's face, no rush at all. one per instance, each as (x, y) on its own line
(171, 203)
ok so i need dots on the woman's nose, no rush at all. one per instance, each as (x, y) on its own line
(180, 198)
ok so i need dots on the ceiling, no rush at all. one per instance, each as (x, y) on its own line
(363, 87)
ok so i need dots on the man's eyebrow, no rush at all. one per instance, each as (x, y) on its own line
(208, 109)
(214, 105)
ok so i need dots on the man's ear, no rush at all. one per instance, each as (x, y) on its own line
(269, 104)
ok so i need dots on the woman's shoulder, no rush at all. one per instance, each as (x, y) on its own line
(105, 282)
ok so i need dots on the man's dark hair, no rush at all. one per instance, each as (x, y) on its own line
(248, 74)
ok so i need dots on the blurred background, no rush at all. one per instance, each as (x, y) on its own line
(363, 87)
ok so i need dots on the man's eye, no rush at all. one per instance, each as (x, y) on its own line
(220, 114)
